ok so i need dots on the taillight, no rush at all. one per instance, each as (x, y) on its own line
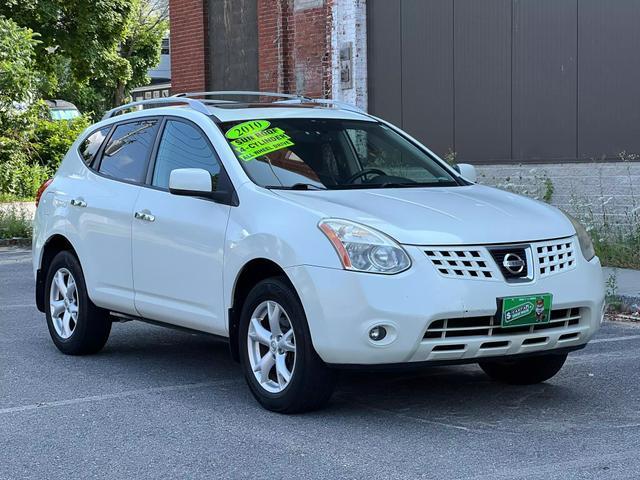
(41, 190)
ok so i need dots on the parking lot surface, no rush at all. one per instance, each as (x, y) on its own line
(157, 403)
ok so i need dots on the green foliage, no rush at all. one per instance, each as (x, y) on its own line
(22, 180)
(548, 190)
(14, 223)
(17, 61)
(51, 139)
(618, 246)
(91, 52)
(31, 148)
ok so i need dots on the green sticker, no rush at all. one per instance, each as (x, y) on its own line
(247, 128)
(253, 145)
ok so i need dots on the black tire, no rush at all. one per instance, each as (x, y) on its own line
(525, 371)
(312, 382)
(91, 331)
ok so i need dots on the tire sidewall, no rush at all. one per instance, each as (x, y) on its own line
(277, 290)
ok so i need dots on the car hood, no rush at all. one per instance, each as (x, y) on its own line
(466, 215)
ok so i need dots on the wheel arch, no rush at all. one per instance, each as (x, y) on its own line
(250, 274)
(55, 244)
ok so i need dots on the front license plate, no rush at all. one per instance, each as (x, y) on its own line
(525, 310)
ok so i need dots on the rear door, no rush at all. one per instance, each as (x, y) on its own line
(101, 211)
(178, 241)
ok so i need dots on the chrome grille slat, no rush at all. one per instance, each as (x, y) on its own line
(555, 256)
(490, 326)
(463, 262)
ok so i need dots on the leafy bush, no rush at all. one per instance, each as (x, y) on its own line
(21, 180)
(15, 223)
(31, 148)
(52, 138)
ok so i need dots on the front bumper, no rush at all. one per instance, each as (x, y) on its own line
(342, 307)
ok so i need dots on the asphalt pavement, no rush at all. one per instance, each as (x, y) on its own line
(157, 403)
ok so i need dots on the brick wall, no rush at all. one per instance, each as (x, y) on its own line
(594, 191)
(189, 53)
(295, 46)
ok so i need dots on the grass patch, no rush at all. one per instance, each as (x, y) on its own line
(15, 223)
(622, 253)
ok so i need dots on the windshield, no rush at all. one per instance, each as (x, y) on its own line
(314, 154)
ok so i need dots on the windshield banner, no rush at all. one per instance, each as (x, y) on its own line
(253, 139)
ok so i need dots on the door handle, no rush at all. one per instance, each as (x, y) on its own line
(147, 217)
(76, 202)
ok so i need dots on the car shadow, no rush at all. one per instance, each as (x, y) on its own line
(459, 396)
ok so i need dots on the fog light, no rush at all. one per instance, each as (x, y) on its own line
(377, 333)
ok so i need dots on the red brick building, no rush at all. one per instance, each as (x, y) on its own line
(270, 45)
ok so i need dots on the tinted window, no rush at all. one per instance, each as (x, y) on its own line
(183, 146)
(125, 156)
(90, 146)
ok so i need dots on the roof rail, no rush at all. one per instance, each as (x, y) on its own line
(248, 93)
(289, 98)
(159, 102)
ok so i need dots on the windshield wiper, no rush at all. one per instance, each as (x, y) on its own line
(296, 186)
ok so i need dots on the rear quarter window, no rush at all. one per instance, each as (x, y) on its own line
(126, 155)
(90, 145)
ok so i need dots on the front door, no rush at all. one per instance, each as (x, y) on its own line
(178, 241)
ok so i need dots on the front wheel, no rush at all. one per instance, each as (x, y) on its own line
(525, 371)
(280, 364)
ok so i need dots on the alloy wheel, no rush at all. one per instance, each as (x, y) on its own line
(63, 303)
(272, 346)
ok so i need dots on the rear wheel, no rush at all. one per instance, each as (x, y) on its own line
(525, 371)
(76, 325)
(280, 364)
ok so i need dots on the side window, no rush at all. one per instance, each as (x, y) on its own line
(90, 146)
(126, 154)
(183, 146)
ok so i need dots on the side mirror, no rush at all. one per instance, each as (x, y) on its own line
(468, 172)
(195, 182)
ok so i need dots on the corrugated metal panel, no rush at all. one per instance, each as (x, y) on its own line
(519, 80)
(609, 77)
(482, 65)
(233, 45)
(544, 79)
(385, 59)
(427, 72)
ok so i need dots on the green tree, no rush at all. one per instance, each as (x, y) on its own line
(92, 52)
(17, 63)
(141, 46)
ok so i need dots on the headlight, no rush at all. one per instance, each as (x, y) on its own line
(364, 249)
(586, 245)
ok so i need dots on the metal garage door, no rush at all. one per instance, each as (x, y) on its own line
(509, 80)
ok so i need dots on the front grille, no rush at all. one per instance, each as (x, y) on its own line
(555, 257)
(463, 262)
(479, 262)
(490, 326)
(499, 255)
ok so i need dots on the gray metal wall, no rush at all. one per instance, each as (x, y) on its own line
(233, 45)
(509, 80)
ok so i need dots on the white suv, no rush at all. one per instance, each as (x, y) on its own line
(312, 236)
